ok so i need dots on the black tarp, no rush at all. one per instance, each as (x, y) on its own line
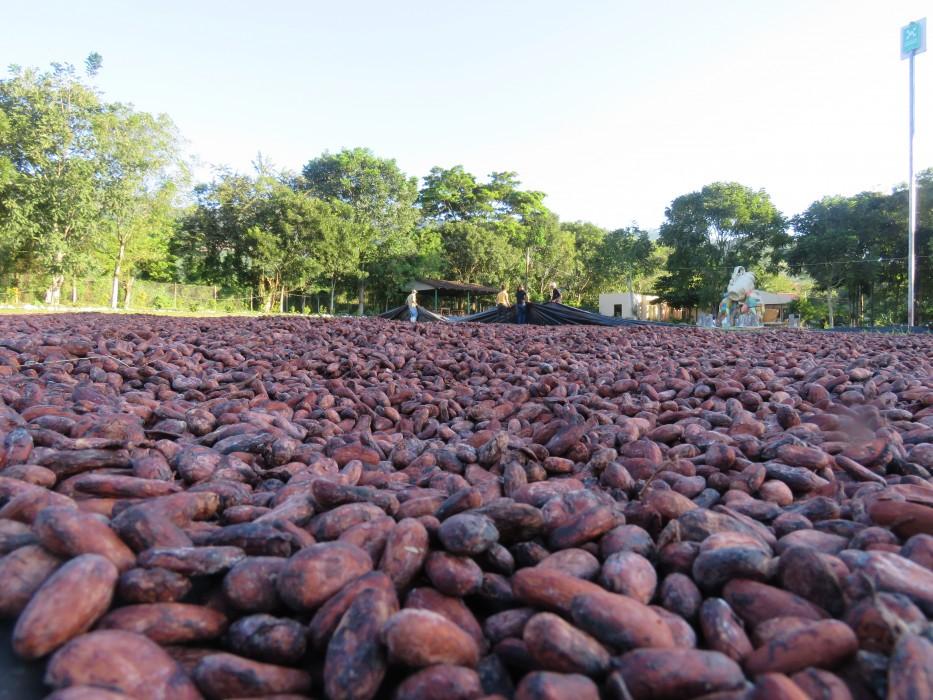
(400, 313)
(553, 314)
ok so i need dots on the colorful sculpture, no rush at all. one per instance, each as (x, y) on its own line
(741, 307)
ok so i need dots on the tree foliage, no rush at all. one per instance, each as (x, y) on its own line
(381, 197)
(855, 248)
(51, 203)
(82, 180)
(90, 187)
(711, 231)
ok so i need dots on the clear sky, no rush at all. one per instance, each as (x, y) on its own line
(612, 108)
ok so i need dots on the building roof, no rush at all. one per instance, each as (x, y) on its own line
(426, 284)
(775, 298)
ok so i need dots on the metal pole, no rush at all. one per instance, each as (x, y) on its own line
(912, 206)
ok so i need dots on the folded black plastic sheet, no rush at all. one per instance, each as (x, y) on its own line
(401, 313)
(554, 314)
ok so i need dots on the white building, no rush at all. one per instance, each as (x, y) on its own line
(620, 304)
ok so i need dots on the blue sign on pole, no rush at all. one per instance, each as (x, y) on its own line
(914, 38)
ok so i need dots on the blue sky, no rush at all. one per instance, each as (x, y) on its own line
(612, 108)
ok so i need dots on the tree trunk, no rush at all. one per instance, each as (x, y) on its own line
(362, 305)
(53, 295)
(268, 291)
(282, 299)
(115, 287)
(527, 265)
(829, 304)
(128, 299)
(74, 290)
(333, 289)
(631, 296)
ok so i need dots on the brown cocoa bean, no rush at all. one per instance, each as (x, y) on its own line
(312, 575)
(66, 605)
(128, 662)
(229, 676)
(421, 638)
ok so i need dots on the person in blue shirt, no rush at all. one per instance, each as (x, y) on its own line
(521, 303)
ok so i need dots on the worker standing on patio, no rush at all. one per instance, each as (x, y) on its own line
(502, 301)
(521, 303)
(412, 302)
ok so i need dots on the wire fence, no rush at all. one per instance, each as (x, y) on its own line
(28, 292)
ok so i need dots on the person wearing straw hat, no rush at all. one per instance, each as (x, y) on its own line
(502, 302)
(412, 302)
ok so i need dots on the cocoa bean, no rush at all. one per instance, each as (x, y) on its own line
(229, 676)
(557, 645)
(167, 623)
(546, 685)
(441, 682)
(723, 631)
(355, 663)
(423, 638)
(664, 674)
(68, 532)
(823, 644)
(66, 605)
(127, 662)
(405, 552)
(250, 585)
(314, 574)
(152, 586)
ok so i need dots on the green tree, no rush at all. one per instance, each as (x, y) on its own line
(424, 259)
(50, 206)
(211, 244)
(709, 233)
(584, 280)
(549, 254)
(477, 252)
(854, 248)
(533, 227)
(254, 233)
(508, 224)
(453, 194)
(93, 63)
(382, 198)
(283, 239)
(626, 258)
(138, 162)
(336, 249)
(825, 245)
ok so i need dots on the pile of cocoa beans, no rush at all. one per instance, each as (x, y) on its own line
(353, 509)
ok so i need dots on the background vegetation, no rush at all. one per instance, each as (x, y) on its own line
(97, 207)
